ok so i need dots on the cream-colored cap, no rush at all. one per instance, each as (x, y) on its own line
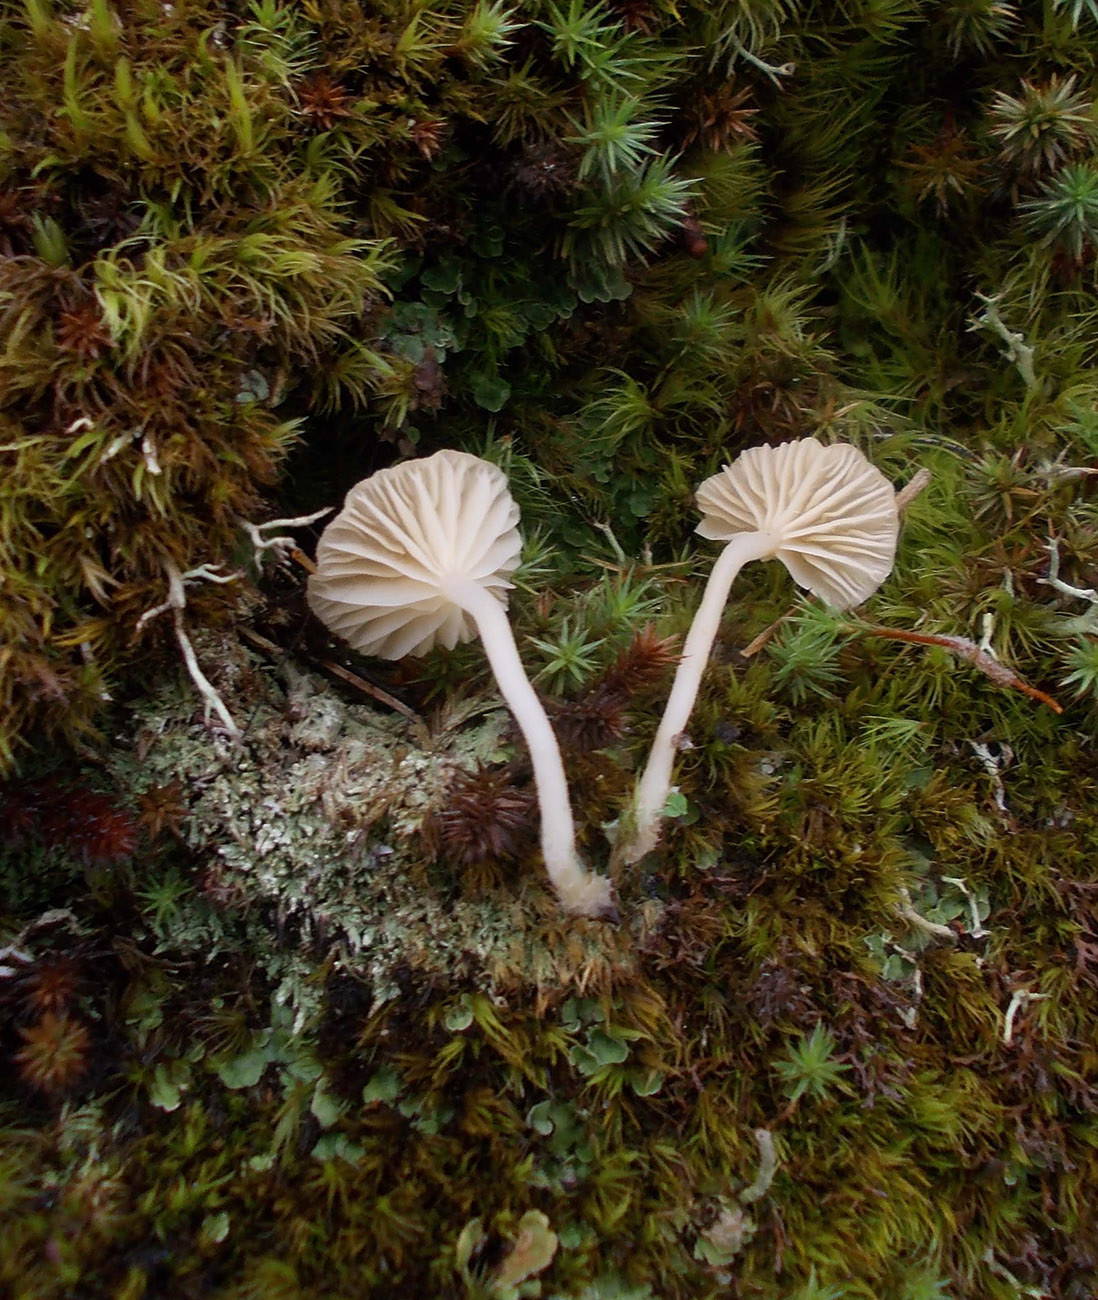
(832, 515)
(404, 535)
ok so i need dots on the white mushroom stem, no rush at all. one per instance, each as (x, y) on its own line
(581, 893)
(655, 784)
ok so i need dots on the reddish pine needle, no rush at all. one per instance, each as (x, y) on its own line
(968, 650)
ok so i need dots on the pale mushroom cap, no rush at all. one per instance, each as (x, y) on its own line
(403, 537)
(832, 514)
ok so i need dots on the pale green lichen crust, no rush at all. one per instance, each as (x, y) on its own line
(317, 819)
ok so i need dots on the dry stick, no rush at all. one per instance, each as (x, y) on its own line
(968, 650)
(274, 651)
(259, 642)
(912, 488)
(383, 697)
(961, 646)
(766, 635)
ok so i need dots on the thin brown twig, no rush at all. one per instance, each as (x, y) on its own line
(968, 650)
(912, 488)
(276, 651)
(756, 643)
(376, 692)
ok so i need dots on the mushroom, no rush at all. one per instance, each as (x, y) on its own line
(420, 556)
(826, 513)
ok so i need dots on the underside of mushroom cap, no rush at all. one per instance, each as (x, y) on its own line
(387, 562)
(831, 513)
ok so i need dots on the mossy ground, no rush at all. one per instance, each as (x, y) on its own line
(276, 1023)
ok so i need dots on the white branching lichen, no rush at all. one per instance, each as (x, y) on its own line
(176, 603)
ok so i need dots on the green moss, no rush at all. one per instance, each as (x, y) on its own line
(251, 251)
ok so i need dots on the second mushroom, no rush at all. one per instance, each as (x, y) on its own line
(827, 514)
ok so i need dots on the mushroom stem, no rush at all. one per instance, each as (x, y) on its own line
(655, 783)
(581, 892)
